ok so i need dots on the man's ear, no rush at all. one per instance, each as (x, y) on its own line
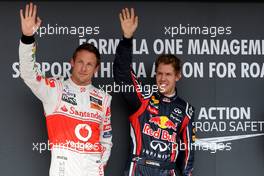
(96, 69)
(178, 76)
(72, 62)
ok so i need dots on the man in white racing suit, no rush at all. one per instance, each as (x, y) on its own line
(77, 113)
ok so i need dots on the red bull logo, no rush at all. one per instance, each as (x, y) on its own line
(159, 134)
(163, 122)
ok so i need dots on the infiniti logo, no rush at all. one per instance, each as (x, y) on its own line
(162, 146)
(177, 111)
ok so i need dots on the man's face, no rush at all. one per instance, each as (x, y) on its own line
(166, 78)
(83, 67)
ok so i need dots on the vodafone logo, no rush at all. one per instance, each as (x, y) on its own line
(80, 127)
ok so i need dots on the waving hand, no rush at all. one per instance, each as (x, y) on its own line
(129, 22)
(29, 22)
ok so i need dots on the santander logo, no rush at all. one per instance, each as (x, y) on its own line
(64, 109)
(82, 114)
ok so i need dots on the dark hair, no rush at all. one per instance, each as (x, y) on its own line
(88, 47)
(169, 59)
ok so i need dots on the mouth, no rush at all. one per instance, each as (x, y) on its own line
(83, 74)
(162, 87)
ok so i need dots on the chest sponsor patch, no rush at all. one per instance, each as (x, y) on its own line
(163, 122)
(177, 114)
(96, 100)
(96, 103)
(154, 100)
(69, 92)
(167, 100)
(96, 106)
(96, 93)
(69, 99)
(152, 110)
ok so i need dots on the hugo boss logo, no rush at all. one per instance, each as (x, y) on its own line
(68, 99)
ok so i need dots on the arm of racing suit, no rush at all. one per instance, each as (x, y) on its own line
(187, 135)
(124, 75)
(106, 131)
(42, 87)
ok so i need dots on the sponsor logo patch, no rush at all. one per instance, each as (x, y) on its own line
(152, 110)
(96, 100)
(108, 112)
(96, 103)
(163, 122)
(96, 94)
(50, 82)
(159, 134)
(155, 101)
(96, 106)
(107, 134)
(107, 127)
(68, 99)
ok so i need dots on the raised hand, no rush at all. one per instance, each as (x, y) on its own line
(29, 22)
(129, 22)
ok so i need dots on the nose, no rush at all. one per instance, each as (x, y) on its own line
(163, 77)
(84, 68)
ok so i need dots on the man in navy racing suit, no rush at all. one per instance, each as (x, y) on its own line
(161, 123)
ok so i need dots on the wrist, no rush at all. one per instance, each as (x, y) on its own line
(27, 39)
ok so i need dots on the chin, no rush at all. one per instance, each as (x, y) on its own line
(165, 92)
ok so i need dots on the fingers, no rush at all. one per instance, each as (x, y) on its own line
(21, 14)
(38, 22)
(127, 13)
(30, 9)
(34, 11)
(124, 14)
(136, 20)
(121, 17)
(132, 13)
(37, 25)
(26, 11)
